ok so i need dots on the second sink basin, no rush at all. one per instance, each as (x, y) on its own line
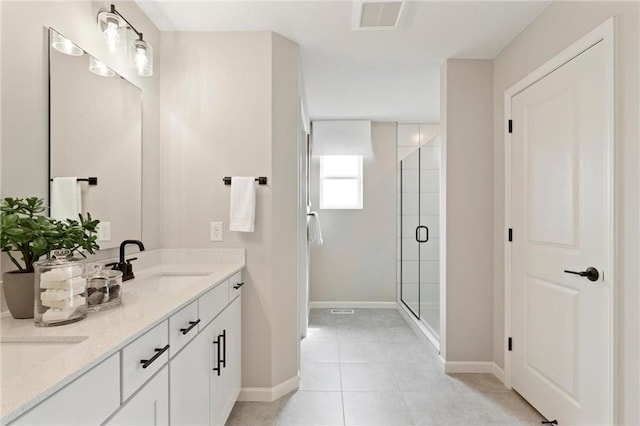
(17, 356)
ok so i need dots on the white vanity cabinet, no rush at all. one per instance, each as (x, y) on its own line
(150, 406)
(184, 370)
(205, 374)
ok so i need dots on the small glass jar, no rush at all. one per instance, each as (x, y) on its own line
(60, 290)
(104, 288)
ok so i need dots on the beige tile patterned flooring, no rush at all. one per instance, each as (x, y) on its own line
(369, 368)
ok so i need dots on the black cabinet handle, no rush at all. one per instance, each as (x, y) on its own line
(217, 367)
(159, 351)
(237, 286)
(418, 234)
(191, 325)
(224, 348)
(591, 273)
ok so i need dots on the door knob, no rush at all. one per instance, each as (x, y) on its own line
(591, 273)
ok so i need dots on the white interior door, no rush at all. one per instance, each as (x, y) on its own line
(560, 351)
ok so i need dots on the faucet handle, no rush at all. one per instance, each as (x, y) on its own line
(114, 264)
(131, 260)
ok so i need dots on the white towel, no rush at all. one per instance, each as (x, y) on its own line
(66, 198)
(243, 204)
(314, 232)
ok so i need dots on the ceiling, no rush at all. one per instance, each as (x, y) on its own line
(368, 74)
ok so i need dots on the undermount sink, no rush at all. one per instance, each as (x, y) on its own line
(171, 280)
(19, 355)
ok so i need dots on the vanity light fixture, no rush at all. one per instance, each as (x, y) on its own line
(64, 45)
(98, 67)
(114, 25)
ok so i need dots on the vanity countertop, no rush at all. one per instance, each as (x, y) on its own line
(147, 301)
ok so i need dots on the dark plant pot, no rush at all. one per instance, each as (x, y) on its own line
(18, 292)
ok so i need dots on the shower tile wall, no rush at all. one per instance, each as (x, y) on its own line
(421, 174)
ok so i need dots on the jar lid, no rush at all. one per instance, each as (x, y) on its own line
(59, 257)
(98, 272)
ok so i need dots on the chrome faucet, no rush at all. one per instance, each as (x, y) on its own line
(123, 265)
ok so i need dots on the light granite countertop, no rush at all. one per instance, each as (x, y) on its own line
(146, 303)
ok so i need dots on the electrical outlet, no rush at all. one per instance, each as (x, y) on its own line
(216, 231)
(104, 231)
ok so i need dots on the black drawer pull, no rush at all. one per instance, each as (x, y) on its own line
(237, 286)
(191, 325)
(217, 367)
(159, 351)
(224, 348)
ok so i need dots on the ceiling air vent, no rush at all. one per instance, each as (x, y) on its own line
(377, 15)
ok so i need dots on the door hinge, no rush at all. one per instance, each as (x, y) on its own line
(510, 344)
(510, 234)
(510, 126)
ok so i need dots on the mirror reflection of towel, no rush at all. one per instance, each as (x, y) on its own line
(243, 204)
(66, 198)
(314, 232)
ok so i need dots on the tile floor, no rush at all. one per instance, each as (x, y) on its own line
(369, 368)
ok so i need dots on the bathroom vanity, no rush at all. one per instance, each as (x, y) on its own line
(171, 354)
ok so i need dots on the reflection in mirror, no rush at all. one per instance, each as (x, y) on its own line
(95, 120)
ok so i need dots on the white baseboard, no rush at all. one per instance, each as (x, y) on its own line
(468, 367)
(355, 305)
(269, 394)
(498, 372)
(488, 367)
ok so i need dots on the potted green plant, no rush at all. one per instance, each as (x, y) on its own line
(26, 235)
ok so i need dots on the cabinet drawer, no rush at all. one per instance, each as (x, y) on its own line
(183, 326)
(154, 343)
(89, 400)
(213, 302)
(235, 284)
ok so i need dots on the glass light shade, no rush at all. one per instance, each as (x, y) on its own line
(141, 58)
(98, 67)
(64, 45)
(114, 31)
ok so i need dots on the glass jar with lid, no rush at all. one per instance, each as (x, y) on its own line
(103, 288)
(60, 290)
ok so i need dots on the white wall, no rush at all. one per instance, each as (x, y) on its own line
(24, 133)
(467, 144)
(356, 263)
(230, 107)
(555, 29)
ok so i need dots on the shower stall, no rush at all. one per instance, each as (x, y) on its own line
(419, 232)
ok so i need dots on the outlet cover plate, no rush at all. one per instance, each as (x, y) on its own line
(216, 231)
(104, 231)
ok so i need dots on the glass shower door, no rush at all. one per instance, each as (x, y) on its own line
(409, 221)
(419, 245)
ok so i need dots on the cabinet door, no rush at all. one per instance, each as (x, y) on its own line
(189, 373)
(234, 352)
(150, 406)
(70, 406)
(224, 384)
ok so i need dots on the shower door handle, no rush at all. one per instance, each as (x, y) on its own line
(418, 234)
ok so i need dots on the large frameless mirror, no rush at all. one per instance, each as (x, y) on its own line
(95, 142)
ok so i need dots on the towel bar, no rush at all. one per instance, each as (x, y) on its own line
(92, 180)
(262, 180)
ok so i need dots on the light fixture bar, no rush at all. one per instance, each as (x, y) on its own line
(115, 12)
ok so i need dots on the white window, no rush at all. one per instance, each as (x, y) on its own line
(341, 182)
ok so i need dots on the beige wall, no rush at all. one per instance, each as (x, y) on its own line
(230, 107)
(24, 133)
(356, 263)
(468, 149)
(559, 26)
